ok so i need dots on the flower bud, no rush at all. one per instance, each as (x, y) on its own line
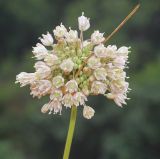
(88, 112)
(84, 23)
(97, 37)
(47, 39)
(71, 36)
(40, 51)
(60, 31)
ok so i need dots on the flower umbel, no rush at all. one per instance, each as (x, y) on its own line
(69, 69)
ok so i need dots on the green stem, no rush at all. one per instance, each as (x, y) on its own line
(70, 132)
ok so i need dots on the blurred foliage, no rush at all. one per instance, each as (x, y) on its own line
(114, 133)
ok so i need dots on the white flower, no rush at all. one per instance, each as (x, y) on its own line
(119, 61)
(25, 78)
(118, 98)
(56, 94)
(123, 50)
(45, 108)
(68, 100)
(79, 98)
(42, 70)
(58, 81)
(71, 69)
(51, 59)
(100, 51)
(60, 31)
(47, 39)
(97, 37)
(98, 87)
(116, 74)
(100, 74)
(71, 36)
(54, 106)
(111, 51)
(40, 51)
(40, 88)
(71, 86)
(88, 112)
(94, 62)
(119, 86)
(83, 22)
(67, 65)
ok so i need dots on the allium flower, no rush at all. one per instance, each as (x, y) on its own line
(79, 98)
(94, 62)
(68, 100)
(88, 112)
(71, 36)
(84, 23)
(40, 88)
(97, 37)
(71, 86)
(47, 39)
(42, 70)
(40, 51)
(100, 51)
(72, 69)
(25, 78)
(56, 95)
(51, 59)
(67, 65)
(98, 87)
(54, 106)
(58, 81)
(100, 74)
(60, 31)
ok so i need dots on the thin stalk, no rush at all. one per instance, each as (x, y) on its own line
(123, 22)
(70, 132)
(81, 37)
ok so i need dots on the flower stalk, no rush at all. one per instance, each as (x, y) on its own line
(70, 132)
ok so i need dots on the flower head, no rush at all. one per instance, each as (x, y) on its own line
(71, 69)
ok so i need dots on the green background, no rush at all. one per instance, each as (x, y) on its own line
(132, 132)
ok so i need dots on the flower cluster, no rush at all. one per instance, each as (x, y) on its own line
(69, 69)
